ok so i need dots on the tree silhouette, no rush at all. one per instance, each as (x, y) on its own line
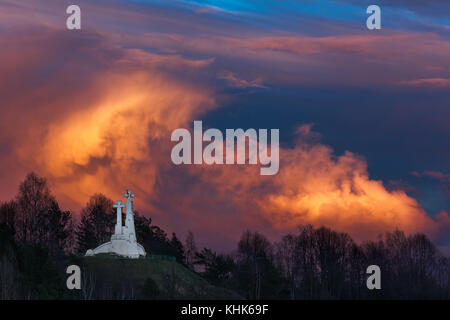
(39, 219)
(313, 263)
(257, 275)
(217, 268)
(97, 223)
(190, 249)
(177, 248)
(8, 215)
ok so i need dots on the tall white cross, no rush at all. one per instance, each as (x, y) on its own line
(129, 221)
(119, 204)
(128, 194)
(119, 207)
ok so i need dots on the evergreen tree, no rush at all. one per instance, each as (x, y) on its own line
(97, 223)
(217, 268)
(177, 248)
(153, 238)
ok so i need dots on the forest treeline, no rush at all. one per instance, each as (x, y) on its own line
(37, 238)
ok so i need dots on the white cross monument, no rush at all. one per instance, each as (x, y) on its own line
(123, 241)
(119, 206)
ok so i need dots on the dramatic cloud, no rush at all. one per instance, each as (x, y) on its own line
(93, 111)
(314, 186)
(92, 121)
(296, 59)
(317, 187)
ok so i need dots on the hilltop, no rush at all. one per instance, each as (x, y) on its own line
(108, 276)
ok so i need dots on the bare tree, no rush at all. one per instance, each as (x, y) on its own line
(39, 220)
(34, 199)
(88, 285)
(191, 249)
(288, 258)
(254, 250)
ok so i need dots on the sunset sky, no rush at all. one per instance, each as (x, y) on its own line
(364, 115)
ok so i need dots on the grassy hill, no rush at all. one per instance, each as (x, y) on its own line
(110, 277)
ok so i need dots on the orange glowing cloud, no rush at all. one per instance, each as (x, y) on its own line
(101, 121)
(316, 187)
(104, 133)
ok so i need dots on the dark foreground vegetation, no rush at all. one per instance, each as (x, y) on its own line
(38, 240)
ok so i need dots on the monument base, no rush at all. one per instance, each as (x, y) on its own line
(123, 241)
(120, 247)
